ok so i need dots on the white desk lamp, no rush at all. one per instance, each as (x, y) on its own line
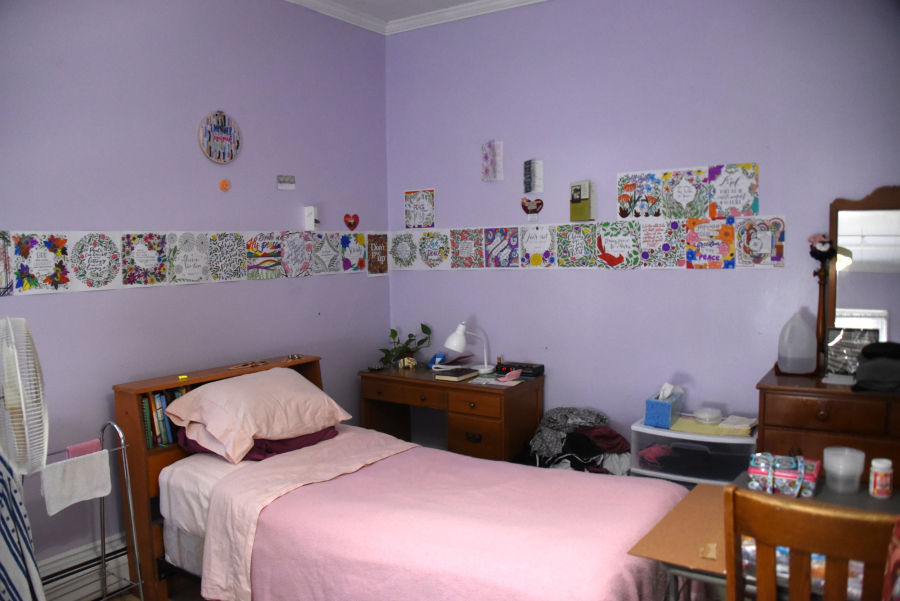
(457, 342)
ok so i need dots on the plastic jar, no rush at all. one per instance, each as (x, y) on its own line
(881, 478)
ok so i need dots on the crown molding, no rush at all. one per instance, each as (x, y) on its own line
(348, 15)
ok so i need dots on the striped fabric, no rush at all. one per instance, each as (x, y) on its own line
(19, 577)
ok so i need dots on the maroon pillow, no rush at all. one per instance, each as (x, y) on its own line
(263, 449)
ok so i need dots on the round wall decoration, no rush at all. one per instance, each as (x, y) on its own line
(220, 138)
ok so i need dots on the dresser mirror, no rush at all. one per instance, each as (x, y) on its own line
(864, 279)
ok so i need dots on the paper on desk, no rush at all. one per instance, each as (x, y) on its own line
(491, 380)
(708, 551)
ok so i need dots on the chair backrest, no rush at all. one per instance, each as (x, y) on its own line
(806, 527)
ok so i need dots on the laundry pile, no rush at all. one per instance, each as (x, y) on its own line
(581, 440)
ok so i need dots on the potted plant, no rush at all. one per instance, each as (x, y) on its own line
(406, 348)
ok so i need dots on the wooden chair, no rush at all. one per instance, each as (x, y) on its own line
(806, 527)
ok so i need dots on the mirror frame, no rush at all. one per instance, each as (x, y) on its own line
(884, 198)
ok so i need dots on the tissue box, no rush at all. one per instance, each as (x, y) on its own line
(662, 413)
(785, 479)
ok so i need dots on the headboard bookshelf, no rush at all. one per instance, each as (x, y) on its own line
(145, 463)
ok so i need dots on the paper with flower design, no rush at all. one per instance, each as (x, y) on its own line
(353, 252)
(734, 190)
(501, 246)
(40, 262)
(95, 260)
(537, 246)
(263, 255)
(684, 193)
(227, 257)
(297, 253)
(403, 251)
(759, 241)
(145, 259)
(433, 250)
(662, 244)
(467, 249)
(491, 161)
(419, 206)
(710, 244)
(377, 250)
(576, 245)
(188, 257)
(327, 253)
(6, 283)
(637, 195)
(618, 244)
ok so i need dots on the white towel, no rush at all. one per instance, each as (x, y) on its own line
(73, 480)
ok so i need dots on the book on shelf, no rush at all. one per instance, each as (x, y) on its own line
(456, 375)
(165, 418)
(148, 431)
(160, 426)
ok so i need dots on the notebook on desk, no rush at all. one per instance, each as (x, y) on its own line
(456, 375)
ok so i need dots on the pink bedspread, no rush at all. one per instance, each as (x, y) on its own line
(428, 525)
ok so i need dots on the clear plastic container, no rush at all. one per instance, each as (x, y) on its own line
(843, 468)
(797, 347)
(707, 415)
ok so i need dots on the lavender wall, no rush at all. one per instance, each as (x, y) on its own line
(864, 290)
(806, 89)
(102, 101)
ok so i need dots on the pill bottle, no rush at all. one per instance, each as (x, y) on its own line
(881, 478)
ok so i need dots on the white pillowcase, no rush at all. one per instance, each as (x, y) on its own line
(225, 416)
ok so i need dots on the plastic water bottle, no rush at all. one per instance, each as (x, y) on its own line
(797, 347)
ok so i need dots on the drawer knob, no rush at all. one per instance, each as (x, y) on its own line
(473, 438)
(378, 392)
(822, 415)
(471, 405)
(423, 398)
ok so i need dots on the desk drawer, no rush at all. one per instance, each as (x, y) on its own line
(475, 436)
(383, 391)
(425, 397)
(816, 413)
(487, 405)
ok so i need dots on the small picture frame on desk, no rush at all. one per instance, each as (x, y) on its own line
(844, 346)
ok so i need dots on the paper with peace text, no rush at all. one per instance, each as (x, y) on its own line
(759, 241)
(663, 244)
(419, 208)
(537, 245)
(710, 244)
(188, 257)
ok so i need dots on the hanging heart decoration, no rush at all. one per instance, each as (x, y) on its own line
(352, 221)
(532, 207)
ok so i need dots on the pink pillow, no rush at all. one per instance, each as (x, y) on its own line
(226, 416)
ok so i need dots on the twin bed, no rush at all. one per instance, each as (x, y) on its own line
(363, 515)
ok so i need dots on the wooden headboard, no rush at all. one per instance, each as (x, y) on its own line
(145, 464)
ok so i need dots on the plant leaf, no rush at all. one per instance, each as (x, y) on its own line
(393, 334)
(426, 330)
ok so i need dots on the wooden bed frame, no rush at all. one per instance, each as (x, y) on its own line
(145, 464)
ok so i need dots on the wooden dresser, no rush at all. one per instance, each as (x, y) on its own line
(490, 422)
(800, 415)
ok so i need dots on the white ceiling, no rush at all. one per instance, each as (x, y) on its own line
(394, 16)
(874, 239)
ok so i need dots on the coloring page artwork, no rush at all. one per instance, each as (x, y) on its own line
(576, 245)
(467, 249)
(419, 209)
(638, 195)
(95, 260)
(40, 262)
(188, 257)
(353, 252)
(6, 284)
(263, 255)
(501, 246)
(662, 244)
(734, 190)
(710, 244)
(537, 246)
(145, 260)
(327, 253)
(227, 257)
(685, 193)
(619, 244)
(759, 241)
(491, 161)
(297, 253)
(377, 249)
(433, 250)
(403, 251)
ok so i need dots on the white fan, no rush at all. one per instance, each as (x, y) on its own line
(23, 416)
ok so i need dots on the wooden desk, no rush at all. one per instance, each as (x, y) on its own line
(490, 422)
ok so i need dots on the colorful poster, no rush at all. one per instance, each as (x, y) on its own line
(263, 255)
(6, 285)
(419, 209)
(188, 257)
(759, 241)
(619, 244)
(403, 251)
(576, 245)
(538, 246)
(433, 250)
(377, 249)
(353, 252)
(501, 246)
(685, 193)
(327, 253)
(638, 195)
(467, 249)
(40, 262)
(297, 253)
(662, 244)
(227, 257)
(145, 260)
(94, 260)
(710, 244)
(734, 190)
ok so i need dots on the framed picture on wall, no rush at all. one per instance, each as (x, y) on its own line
(844, 346)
